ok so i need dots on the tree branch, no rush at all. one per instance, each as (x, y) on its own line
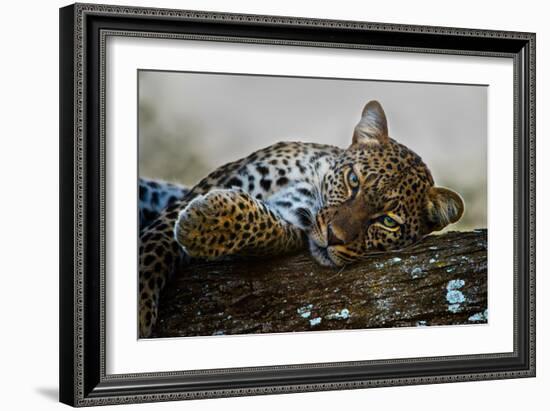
(440, 281)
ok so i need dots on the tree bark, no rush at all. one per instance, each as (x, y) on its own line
(440, 281)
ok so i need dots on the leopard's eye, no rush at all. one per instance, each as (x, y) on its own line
(389, 222)
(353, 180)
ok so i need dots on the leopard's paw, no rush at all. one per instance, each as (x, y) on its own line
(216, 224)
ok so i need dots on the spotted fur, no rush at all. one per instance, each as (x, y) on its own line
(343, 204)
(155, 196)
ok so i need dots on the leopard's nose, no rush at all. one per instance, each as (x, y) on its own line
(332, 239)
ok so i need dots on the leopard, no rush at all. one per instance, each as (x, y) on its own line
(341, 205)
(155, 196)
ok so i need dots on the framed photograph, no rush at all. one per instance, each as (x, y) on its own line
(262, 204)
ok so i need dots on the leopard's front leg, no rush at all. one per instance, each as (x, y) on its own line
(159, 254)
(233, 223)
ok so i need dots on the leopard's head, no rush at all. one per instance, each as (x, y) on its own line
(379, 196)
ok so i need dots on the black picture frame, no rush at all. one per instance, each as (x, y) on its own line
(83, 29)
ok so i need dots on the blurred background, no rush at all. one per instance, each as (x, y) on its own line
(191, 123)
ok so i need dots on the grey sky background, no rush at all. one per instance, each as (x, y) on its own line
(190, 123)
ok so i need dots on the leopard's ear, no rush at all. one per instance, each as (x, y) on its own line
(373, 127)
(443, 207)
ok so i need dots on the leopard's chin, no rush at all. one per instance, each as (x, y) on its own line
(323, 255)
